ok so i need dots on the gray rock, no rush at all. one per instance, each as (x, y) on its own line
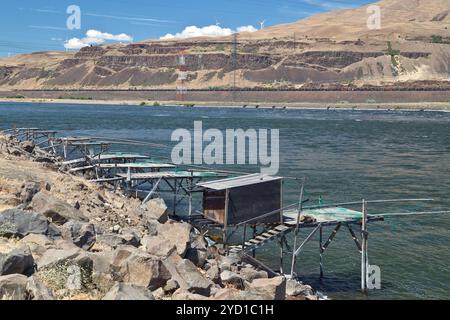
(113, 240)
(156, 209)
(140, 268)
(36, 290)
(57, 210)
(231, 278)
(127, 291)
(188, 276)
(184, 295)
(295, 288)
(177, 234)
(64, 257)
(38, 244)
(19, 261)
(273, 289)
(13, 287)
(29, 189)
(249, 274)
(171, 286)
(197, 250)
(229, 294)
(213, 273)
(82, 234)
(158, 246)
(102, 265)
(19, 223)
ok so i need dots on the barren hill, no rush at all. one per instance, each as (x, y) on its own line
(335, 48)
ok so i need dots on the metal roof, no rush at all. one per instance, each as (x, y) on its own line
(236, 182)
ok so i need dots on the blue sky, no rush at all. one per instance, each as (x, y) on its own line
(40, 25)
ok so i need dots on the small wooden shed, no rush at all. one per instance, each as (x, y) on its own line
(235, 200)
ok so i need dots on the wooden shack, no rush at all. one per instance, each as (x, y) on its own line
(235, 200)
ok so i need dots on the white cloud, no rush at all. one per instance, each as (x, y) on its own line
(246, 29)
(208, 31)
(94, 37)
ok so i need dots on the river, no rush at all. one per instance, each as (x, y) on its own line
(345, 155)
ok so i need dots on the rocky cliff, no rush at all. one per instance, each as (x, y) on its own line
(413, 44)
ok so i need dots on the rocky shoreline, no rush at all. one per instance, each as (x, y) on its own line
(64, 238)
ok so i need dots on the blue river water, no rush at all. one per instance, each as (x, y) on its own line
(345, 155)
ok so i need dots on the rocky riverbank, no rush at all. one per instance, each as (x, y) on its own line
(64, 238)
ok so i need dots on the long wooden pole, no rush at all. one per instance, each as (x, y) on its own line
(364, 247)
(321, 251)
(300, 206)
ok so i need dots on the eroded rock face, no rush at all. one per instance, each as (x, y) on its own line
(127, 291)
(295, 288)
(57, 210)
(19, 223)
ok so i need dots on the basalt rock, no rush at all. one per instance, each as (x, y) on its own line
(57, 210)
(13, 287)
(19, 223)
(17, 261)
(127, 291)
(82, 234)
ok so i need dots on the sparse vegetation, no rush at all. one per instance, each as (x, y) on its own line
(440, 39)
(19, 96)
(75, 98)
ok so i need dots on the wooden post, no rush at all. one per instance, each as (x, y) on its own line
(321, 251)
(364, 247)
(281, 254)
(191, 186)
(175, 198)
(300, 209)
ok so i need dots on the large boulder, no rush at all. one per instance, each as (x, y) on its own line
(19, 261)
(156, 209)
(19, 223)
(158, 246)
(140, 268)
(249, 274)
(227, 294)
(272, 289)
(38, 244)
(57, 210)
(36, 290)
(197, 250)
(232, 279)
(82, 234)
(68, 269)
(295, 288)
(128, 291)
(213, 273)
(110, 241)
(188, 276)
(184, 295)
(13, 287)
(177, 234)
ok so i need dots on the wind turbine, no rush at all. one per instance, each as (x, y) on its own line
(262, 24)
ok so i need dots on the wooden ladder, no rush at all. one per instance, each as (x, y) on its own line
(262, 239)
